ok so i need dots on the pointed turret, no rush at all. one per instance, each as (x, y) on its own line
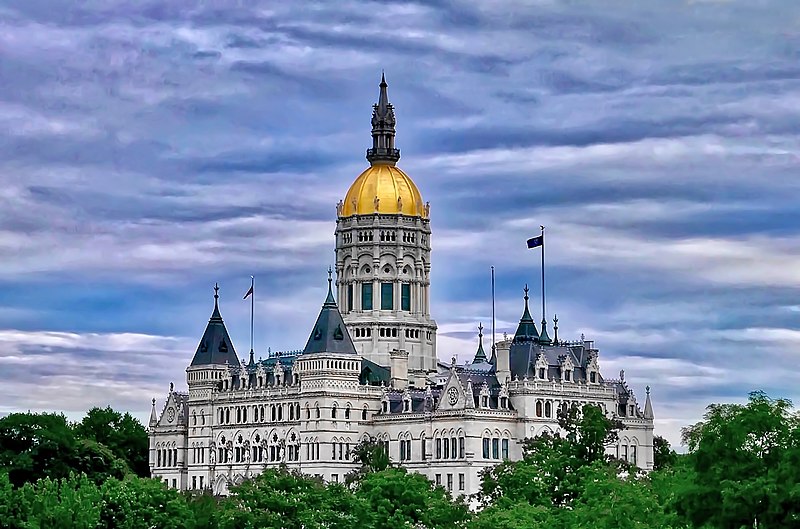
(330, 334)
(648, 406)
(526, 331)
(480, 355)
(383, 130)
(215, 346)
(544, 339)
(153, 418)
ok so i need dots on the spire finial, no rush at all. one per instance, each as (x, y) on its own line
(216, 290)
(383, 129)
(330, 299)
(526, 292)
(154, 400)
(555, 329)
(647, 389)
(480, 329)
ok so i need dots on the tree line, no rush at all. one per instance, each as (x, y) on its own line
(742, 469)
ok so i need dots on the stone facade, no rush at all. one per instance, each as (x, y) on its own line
(369, 369)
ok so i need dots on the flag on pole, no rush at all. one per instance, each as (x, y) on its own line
(535, 242)
(249, 292)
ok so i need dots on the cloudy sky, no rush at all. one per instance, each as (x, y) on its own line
(149, 149)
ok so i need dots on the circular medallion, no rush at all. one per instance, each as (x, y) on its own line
(171, 414)
(452, 396)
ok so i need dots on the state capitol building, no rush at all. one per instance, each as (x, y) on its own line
(370, 369)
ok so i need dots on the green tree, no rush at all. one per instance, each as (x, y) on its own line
(397, 498)
(746, 465)
(280, 499)
(663, 454)
(122, 434)
(371, 456)
(143, 503)
(70, 502)
(548, 472)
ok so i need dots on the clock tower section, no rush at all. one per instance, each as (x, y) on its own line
(383, 248)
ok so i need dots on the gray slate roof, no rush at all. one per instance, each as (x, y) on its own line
(330, 334)
(215, 346)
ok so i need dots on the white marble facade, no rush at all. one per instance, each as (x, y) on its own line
(369, 369)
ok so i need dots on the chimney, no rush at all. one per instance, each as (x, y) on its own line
(503, 369)
(398, 366)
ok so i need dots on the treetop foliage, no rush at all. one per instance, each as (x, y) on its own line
(742, 470)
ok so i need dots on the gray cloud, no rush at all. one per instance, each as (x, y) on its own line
(149, 149)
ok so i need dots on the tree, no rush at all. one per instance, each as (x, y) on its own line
(663, 454)
(142, 503)
(548, 473)
(122, 434)
(371, 456)
(281, 499)
(397, 498)
(70, 502)
(746, 465)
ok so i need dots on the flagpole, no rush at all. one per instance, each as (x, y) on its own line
(544, 315)
(252, 307)
(493, 317)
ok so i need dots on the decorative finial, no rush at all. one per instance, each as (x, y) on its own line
(154, 401)
(647, 389)
(622, 375)
(330, 275)
(526, 291)
(480, 330)
(216, 290)
(171, 387)
(555, 329)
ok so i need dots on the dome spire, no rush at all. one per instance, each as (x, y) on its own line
(383, 130)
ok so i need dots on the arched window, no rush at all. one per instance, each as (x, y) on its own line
(364, 414)
(538, 408)
(333, 412)
(347, 413)
(548, 409)
(316, 411)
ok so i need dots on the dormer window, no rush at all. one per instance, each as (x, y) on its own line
(568, 374)
(541, 373)
(592, 377)
(385, 407)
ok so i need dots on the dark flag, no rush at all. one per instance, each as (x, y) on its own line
(535, 242)
(249, 292)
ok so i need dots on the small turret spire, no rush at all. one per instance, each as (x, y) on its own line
(216, 315)
(544, 339)
(555, 329)
(480, 355)
(330, 299)
(526, 331)
(648, 406)
(153, 418)
(383, 129)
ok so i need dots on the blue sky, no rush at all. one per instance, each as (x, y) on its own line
(149, 149)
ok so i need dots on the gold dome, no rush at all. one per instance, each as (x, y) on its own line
(383, 188)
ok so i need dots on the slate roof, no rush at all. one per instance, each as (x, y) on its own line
(523, 356)
(330, 334)
(215, 346)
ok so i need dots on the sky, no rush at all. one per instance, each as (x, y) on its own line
(150, 149)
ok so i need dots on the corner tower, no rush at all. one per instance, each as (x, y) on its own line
(383, 248)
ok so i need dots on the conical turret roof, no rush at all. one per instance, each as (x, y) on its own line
(215, 346)
(526, 331)
(330, 334)
(480, 355)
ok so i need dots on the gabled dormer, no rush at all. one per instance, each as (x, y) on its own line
(567, 368)
(541, 367)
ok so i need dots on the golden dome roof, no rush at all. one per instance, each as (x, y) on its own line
(383, 188)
